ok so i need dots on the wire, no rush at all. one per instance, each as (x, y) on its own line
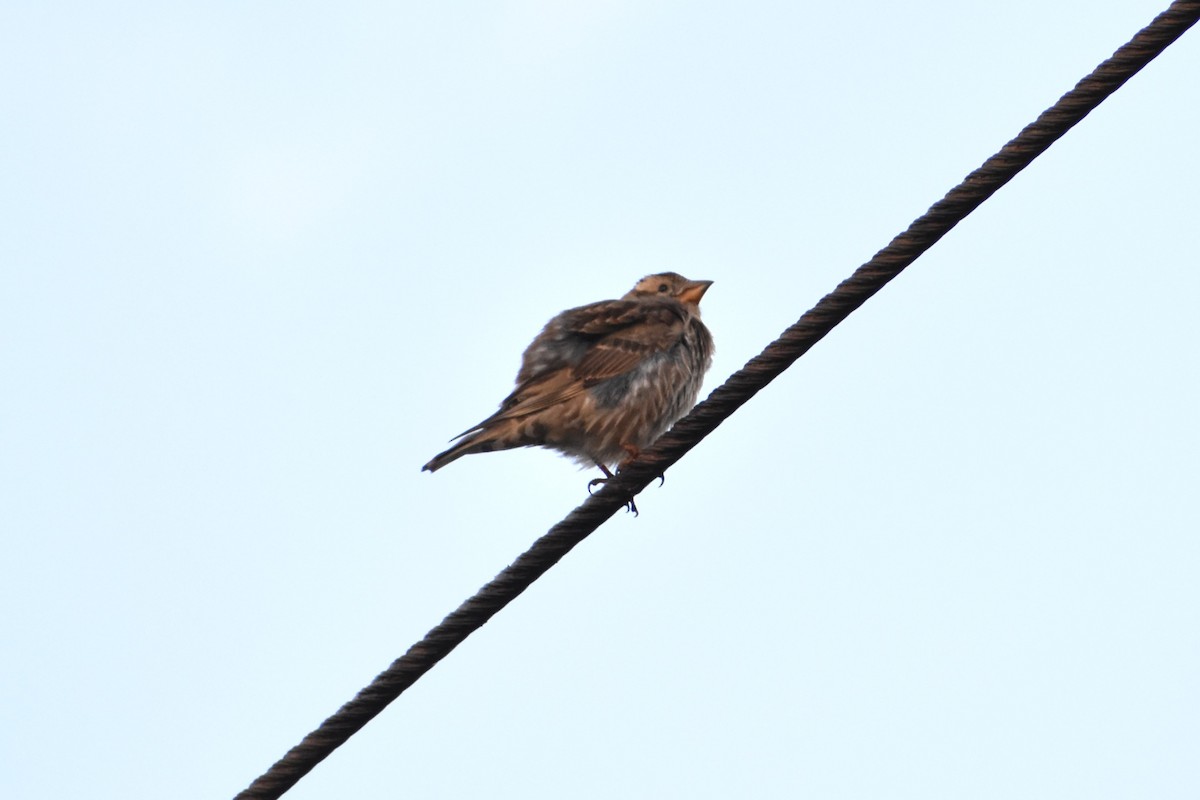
(737, 390)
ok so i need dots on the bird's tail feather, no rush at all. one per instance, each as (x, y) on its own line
(482, 441)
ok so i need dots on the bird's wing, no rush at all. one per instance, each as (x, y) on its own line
(653, 330)
(568, 338)
(547, 390)
(585, 346)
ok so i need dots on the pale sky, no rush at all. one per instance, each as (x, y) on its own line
(259, 262)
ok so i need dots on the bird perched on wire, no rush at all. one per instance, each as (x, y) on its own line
(603, 381)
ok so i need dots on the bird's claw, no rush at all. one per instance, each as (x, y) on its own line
(608, 476)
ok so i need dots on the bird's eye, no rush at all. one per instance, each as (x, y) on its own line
(662, 287)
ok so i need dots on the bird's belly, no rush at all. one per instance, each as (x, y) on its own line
(632, 410)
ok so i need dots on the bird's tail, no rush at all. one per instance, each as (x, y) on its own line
(481, 441)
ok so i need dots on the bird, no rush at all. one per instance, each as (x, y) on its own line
(603, 381)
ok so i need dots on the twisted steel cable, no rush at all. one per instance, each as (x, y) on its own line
(739, 388)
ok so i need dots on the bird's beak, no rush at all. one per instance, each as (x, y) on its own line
(692, 291)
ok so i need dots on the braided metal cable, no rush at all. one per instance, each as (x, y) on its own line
(739, 388)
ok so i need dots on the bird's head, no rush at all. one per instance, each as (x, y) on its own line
(669, 284)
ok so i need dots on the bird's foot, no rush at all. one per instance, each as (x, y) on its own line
(608, 476)
(594, 482)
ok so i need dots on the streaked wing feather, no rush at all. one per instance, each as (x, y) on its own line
(537, 395)
(655, 330)
(605, 317)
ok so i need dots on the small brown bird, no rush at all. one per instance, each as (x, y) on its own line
(603, 381)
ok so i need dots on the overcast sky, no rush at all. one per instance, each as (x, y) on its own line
(260, 261)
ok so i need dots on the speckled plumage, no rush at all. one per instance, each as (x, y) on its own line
(602, 381)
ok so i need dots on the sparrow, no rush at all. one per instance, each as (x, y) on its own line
(601, 382)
